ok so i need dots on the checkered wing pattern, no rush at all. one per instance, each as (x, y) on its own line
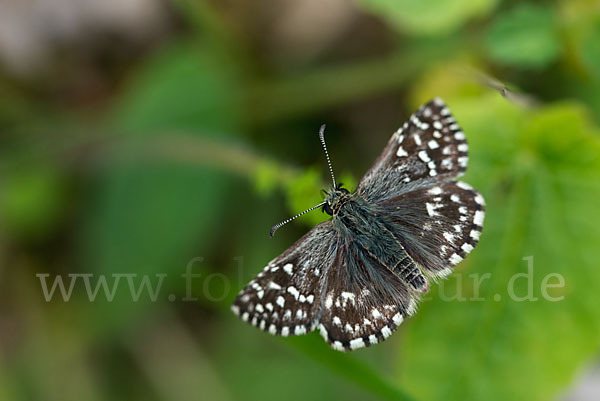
(439, 225)
(284, 299)
(429, 148)
(364, 302)
(358, 276)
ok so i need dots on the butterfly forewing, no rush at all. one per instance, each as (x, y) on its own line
(430, 147)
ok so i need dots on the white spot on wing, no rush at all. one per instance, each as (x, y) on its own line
(424, 156)
(300, 330)
(337, 345)
(435, 191)
(431, 208)
(433, 144)
(467, 247)
(329, 301)
(464, 185)
(348, 296)
(455, 258)
(478, 219)
(323, 331)
(386, 332)
(449, 237)
(357, 343)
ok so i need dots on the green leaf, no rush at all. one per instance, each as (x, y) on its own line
(31, 200)
(590, 50)
(526, 36)
(432, 17)
(303, 192)
(539, 172)
(151, 216)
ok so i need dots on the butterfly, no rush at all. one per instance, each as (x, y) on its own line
(357, 276)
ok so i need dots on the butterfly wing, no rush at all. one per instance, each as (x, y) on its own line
(427, 149)
(284, 299)
(364, 302)
(328, 280)
(438, 225)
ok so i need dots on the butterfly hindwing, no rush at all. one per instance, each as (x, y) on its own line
(284, 298)
(438, 225)
(363, 303)
(430, 147)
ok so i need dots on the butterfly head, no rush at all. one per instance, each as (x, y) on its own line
(335, 198)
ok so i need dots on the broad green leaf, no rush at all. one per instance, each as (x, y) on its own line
(152, 216)
(539, 172)
(526, 36)
(433, 17)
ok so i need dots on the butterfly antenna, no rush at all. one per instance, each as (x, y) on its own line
(322, 137)
(276, 226)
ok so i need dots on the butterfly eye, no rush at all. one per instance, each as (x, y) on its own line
(327, 209)
(344, 191)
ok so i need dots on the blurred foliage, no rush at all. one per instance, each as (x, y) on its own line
(540, 180)
(435, 17)
(526, 36)
(207, 139)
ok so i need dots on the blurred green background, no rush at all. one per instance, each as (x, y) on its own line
(141, 138)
